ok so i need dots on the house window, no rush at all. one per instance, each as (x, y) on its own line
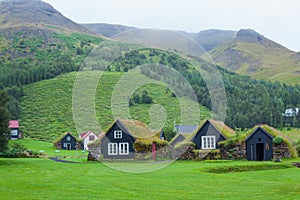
(123, 148)
(68, 138)
(14, 132)
(65, 145)
(91, 138)
(208, 142)
(118, 134)
(112, 148)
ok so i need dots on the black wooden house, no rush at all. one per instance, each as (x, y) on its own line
(259, 145)
(118, 141)
(68, 142)
(207, 136)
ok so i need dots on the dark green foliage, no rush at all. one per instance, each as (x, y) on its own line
(169, 132)
(146, 99)
(277, 140)
(15, 150)
(298, 147)
(249, 101)
(136, 98)
(15, 93)
(4, 119)
(30, 58)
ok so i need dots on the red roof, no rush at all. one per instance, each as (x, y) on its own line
(13, 124)
(84, 135)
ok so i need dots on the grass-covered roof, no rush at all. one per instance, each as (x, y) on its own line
(219, 125)
(63, 135)
(274, 132)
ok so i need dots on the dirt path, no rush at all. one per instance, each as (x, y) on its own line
(56, 159)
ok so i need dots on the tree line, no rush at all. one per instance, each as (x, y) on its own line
(249, 101)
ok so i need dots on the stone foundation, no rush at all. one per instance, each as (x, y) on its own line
(233, 152)
(94, 151)
(281, 151)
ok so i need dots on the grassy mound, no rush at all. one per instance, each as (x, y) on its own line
(245, 168)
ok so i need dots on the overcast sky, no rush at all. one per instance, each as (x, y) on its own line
(278, 20)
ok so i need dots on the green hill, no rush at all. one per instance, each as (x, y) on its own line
(47, 105)
(252, 54)
(37, 42)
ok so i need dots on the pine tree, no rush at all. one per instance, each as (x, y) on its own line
(4, 120)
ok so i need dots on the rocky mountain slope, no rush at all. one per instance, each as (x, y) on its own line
(253, 54)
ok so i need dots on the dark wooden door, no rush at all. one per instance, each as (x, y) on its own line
(260, 151)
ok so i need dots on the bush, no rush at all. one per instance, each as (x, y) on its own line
(16, 150)
(277, 140)
(298, 147)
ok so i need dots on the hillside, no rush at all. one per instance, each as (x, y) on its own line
(253, 54)
(47, 105)
(245, 52)
(37, 42)
(26, 13)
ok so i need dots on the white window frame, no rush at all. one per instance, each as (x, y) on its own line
(112, 148)
(91, 137)
(117, 134)
(68, 138)
(14, 132)
(124, 148)
(208, 142)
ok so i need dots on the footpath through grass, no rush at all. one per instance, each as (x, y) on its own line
(46, 179)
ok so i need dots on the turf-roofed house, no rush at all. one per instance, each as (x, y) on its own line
(206, 136)
(124, 139)
(68, 142)
(264, 142)
(261, 143)
(210, 134)
(203, 142)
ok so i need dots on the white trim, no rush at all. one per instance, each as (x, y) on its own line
(208, 142)
(112, 148)
(117, 134)
(124, 148)
(14, 132)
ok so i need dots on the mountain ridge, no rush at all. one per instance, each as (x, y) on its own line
(16, 13)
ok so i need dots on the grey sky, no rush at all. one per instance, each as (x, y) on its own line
(275, 19)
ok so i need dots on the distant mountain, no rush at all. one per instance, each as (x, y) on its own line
(208, 39)
(20, 13)
(253, 54)
(213, 38)
(107, 30)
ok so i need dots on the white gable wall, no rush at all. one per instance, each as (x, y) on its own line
(86, 140)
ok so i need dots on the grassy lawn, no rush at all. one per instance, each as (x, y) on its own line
(46, 179)
(42, 178)
(49, 150)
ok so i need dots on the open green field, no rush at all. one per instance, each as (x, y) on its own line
(42, 178)
(46, 179)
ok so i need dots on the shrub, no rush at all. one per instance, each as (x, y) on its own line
(298, 147)
(277, 140)
(16, 150)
